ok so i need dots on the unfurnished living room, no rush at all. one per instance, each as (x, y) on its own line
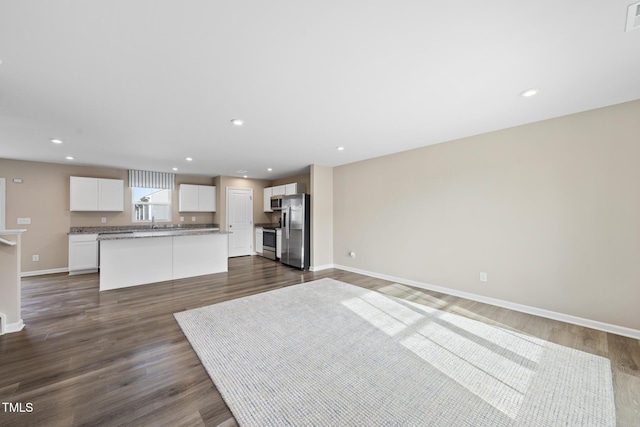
(325, 213)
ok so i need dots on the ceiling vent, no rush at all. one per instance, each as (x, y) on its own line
(633, 16)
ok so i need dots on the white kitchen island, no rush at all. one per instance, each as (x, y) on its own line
(137, 258)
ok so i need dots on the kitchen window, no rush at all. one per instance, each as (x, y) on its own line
(151, 204)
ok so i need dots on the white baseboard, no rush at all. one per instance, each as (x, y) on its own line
(10, 327)
(321, 267)
(567, 318)
(43, 272)
(77, 272)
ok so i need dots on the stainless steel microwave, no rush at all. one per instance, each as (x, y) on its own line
(276, 203)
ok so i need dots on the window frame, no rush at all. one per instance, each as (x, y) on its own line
(135, 202)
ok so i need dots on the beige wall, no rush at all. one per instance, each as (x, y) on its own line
(299, 179)
(550, 210)
(43, 196)
(10, 279)
(321, 187)
(258, 185)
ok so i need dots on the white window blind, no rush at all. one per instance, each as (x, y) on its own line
(147, 179)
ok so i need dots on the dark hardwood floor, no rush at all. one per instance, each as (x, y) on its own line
(119, 358)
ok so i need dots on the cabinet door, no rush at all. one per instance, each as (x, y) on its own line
(83, 252)
(278, 190)
(259, 240)
(291, 189)
(188, 198)
(206, 198)
(268, 192)
(110, 195)
(83, 194)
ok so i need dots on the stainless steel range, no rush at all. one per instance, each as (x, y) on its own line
(269, 242)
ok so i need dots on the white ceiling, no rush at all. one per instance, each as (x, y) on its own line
(143, 84)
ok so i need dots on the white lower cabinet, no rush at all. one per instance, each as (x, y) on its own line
(83, 253)
(259, 240)
(137, 261)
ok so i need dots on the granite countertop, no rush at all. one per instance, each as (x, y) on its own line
(268, 225)
(158, 233)
(142, 228)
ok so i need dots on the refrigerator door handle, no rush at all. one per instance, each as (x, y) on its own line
(287, 221)
(284, 223)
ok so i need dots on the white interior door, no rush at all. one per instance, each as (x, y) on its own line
(240, 221)
(3, 192)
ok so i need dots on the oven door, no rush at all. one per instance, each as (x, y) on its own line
(269, 243)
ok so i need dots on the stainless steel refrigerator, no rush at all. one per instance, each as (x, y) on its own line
(296, 214)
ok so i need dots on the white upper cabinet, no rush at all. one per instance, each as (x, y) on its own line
(197, 198)
(293, 189)
(268, 192)
(83, 194)
(96, 194)
(188, 198)
(278, 190)
(281, 190)
(207, 198)
(110, 195)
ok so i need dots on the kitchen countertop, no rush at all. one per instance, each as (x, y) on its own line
(158, 233)
(141, 228)
(273, 225)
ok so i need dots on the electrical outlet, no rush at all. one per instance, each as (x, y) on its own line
(35, 258)
(104, 220)
(483, 276)
(193, 218)
(181, 218)
(24, 220)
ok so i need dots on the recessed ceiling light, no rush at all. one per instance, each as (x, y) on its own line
(529, 92)
(175, 169)
(245, 176)
(241, 171)
(69, 157)
(188, 159)
(269, 169)
(237, 122)
(340, 148)
(56, 141)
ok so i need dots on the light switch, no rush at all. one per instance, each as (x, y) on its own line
(24, 220)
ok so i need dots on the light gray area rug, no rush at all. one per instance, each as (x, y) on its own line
(326, 353)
